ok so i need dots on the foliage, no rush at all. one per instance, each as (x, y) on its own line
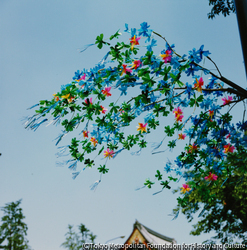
(224, 7)
(75, 241)
(198, 110)
(13, 230)
(221, 204)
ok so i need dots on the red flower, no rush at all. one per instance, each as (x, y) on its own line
(125, 69)
(178, 114)
(228, 148)
(226, 100)
(106, 91)
(211, 177)
(181, 136)
(185, 188)
(167, 56)
(134, 41)
(142, 127)
(85, 133)
(198, 85)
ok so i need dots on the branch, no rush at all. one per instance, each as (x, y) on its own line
(240, 91)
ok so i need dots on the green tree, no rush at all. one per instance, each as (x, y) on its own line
(75, 240)
(13, 230)
(221, 204)
(224, 7)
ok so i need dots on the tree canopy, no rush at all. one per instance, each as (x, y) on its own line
(134, 91)
(13, 230)
(77, 240)
(225, 7)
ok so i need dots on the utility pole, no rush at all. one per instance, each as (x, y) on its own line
(241, 11)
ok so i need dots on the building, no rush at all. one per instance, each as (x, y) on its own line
(143, 237)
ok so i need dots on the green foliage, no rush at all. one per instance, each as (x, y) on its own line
(75, 240)
(224, 7)
(13, 230)
(221, 204)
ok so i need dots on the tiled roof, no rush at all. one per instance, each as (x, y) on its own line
(152, 236)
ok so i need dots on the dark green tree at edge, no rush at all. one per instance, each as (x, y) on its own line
(224, 7)
(13, 230)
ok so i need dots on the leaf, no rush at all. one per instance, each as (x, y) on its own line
(103, 169)
(158, 175)
(101, 150)
(169, 131)
(148, 183)
(116, 35)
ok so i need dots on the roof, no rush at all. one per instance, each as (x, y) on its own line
(148, 235)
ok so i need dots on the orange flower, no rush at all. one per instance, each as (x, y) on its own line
(93, 141)
(137, 64)
(198, 85)
(192, 148)
(211, 113)
(185, 188)
(125, 69)
(85, 133)
(71, 99)
(56, 97)
(108, 153)
(142, 127)
(134, 41)
(181, 136)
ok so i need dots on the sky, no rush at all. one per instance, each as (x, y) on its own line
(39, 51)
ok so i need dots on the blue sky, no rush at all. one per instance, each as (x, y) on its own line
(39, 45)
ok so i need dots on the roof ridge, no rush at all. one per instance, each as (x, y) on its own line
(137, 223)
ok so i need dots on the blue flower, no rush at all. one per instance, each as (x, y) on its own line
(167, 168)
(144, 31)
(63, 87)
(153, 43)
(187, 175)
(218, 93)
(188, 90)
(191, 70)
(170, 47)
(126, 28)
(223, 132)
(133, 32)
(189, 132)
(178, 163)
(195, 120)
(193, 56)
(206, 103)
(217, 168)
(212, 81)
(78, 75)
(175, 63)
(123, 89)
(242, 126)
(201, 52)
(178, 172)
